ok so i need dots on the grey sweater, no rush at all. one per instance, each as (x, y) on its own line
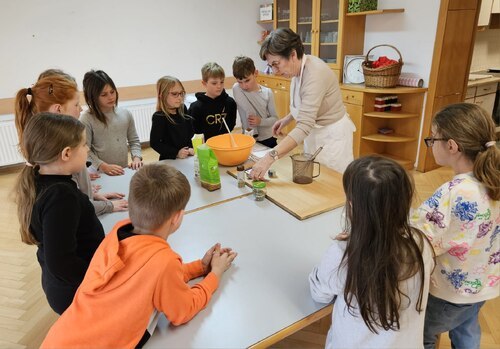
(259, 103)
(110, 143)
(82, 179)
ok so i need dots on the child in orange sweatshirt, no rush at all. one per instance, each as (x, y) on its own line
(134, 271)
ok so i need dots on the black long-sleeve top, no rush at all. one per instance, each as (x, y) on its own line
(167, 138)
(209, 112)
(68, 231)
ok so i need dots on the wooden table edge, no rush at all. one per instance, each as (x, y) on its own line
(295, 327)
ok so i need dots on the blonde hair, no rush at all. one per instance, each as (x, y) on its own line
(157, 191)
(163, 87)
(472, 128)
(212, 70)
(45, 137)
(49, 90)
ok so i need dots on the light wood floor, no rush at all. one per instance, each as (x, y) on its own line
(25, 316)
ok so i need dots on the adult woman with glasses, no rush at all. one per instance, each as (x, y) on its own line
(315, 104)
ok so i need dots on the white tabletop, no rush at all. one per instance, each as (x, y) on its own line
(266, 289)
(200, 197)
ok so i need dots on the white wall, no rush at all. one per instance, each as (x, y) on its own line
(413, 33)
(135, 42)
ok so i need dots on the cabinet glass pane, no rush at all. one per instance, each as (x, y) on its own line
(304, 23)
(328, 41)
(328, 30)
(283, 13)
(329, 10)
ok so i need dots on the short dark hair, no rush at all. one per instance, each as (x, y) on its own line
(243, 67)
(156, 192)
(94, 82)
(282, 42)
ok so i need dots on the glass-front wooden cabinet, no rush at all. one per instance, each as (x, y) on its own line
(283, 10)
(317, 23)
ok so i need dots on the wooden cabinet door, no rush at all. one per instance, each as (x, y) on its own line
(454, 64)
(282, 102)
(487, 102)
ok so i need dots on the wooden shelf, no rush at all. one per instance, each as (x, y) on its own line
(283, 20)
(408, 164)
(390, 138)
(269, 21)
(328, 43)
(304, 23)
(330, 21)
(391, 115)
(376, 12)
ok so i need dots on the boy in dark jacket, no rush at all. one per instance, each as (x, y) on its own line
(213, 105)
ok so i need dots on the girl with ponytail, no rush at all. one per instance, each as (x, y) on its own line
(462, 220)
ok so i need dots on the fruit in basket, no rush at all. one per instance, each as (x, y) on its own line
(382, 62)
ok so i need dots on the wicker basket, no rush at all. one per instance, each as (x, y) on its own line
(382, 77)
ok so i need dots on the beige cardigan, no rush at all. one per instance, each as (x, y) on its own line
(321, 100)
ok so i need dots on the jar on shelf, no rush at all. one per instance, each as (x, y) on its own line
(259, 190)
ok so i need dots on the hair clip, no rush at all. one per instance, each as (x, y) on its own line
(29, 93)
(51, 89)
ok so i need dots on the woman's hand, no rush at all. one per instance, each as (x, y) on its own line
(259, 169)
(136, 163)
(183, 153)
(280, 124)
(111, 170)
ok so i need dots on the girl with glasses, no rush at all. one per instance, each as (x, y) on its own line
(462, 221)
(172, 128)
(110, 130)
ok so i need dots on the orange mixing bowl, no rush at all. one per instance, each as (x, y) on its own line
(228, 155)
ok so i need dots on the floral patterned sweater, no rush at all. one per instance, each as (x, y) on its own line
(462, 222)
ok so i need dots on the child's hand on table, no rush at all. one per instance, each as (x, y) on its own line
(184, 152)
(222, 260)
(136, 163)
(111, 170)
(94, 175)
(214, 250)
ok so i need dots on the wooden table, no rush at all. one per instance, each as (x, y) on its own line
(265, 296)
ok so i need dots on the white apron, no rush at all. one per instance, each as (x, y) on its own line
(335, 138)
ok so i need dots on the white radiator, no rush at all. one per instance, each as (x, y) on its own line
(9, 153)
(142, 114)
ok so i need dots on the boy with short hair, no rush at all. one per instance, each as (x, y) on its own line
(255, 102)
(213, 105)
(134, 271)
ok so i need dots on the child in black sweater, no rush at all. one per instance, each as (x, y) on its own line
(172, 128)
(53, 213)
(214, 105)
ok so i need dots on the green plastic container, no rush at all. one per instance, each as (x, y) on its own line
(209, 168)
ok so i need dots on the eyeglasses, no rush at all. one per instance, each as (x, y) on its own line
(177, 94)
(429, 141)
(274, 64)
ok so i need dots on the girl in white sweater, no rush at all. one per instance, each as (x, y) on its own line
(378, 271)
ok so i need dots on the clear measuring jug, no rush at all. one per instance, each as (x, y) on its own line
(303, 168)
